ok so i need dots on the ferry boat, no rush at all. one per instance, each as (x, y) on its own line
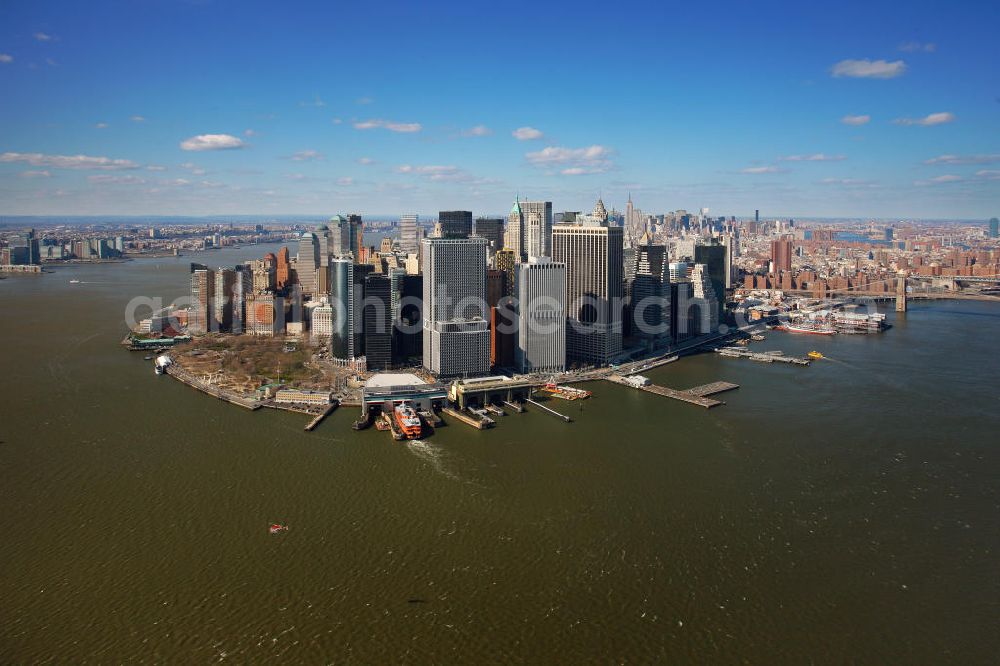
(808, 326)
(566, 392)
(161, 364)
(407, 419)
(815, 354)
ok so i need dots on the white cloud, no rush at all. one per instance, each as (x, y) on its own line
(345, 181)
(927, 121)
(249, 132)
(6, 58)
(390, 125)
(526, 134)
(36, 174)
(364, 100)
(365, 160)
(193, 168)
(856, 120)
(108, 179)
(912, 47)
(316, 102)
(436, 173)
(307, 156)
(69, 161)
(101, 125)
(156, 167)
(989, 174)
(573, 161)
(761, 170)
(212, 142)
(137, 119)
(815, 157)
(855, 182)
(478, 130)
(937, 180)
(868, 69)
(43, 37)
(336, 121)
(964, 159)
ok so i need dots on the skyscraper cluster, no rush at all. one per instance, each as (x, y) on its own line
(478, 296)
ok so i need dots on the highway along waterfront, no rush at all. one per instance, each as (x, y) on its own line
(826, 512)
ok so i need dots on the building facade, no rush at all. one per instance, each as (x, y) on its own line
(541, 310)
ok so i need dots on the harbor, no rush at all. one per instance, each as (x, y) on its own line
(698, 395)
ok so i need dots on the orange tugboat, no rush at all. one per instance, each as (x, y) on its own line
(407, 419)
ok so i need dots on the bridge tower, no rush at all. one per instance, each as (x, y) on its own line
(901, 293)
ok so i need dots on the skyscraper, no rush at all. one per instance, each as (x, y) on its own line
(994, 227)
(541, 309)
(346, 236)
(308, 262)
(650, 297)
(202, 295)
(537, 217)
(282, 270)
(781, 255)
(514, 235)
(378, 321)
(456, 334)
(491, 228)
(408, 241)
(342, 301)
(505, 260)
(455, 223)
(714, 257)
(594, 284)
(222, 302)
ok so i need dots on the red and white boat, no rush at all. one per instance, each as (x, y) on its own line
(407, 419)
(275, 528)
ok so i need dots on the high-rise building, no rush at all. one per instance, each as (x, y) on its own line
(781, 255)
(262, 312)
(491, 228)
(283, 270)
(594, 290)
(264, 273)
(346, 236)
(202, 295)
(408, 333)
(342, 301)
(308, 262)
(994, 227)
(505, 260)
(541, 310)
(455, 223)
(408, 241)
(456, 334)
(242, 286)
(537, 217)
(514, 235)
(496, 286)
(715, 257)
(322, 322)
(703, 294)
(650, 297)
(378, 321)
(222, 302)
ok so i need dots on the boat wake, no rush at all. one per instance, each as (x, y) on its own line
(433, 456)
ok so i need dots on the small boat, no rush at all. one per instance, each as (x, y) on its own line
(815, 354)
(275, 528)
(74, 282)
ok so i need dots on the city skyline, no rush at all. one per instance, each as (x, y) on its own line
(194, 109)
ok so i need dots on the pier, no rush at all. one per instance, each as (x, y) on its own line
(220, 393)
(698, 395)
(549, 410)
(761, 357)
(319, 417)
(478, 424)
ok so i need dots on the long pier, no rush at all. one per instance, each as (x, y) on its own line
(549, 410)
(698, 395)
(761, 357)
(319, 417)
(464, 418)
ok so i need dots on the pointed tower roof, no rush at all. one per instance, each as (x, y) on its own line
(516, 208)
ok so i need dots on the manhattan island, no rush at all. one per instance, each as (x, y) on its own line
(475, 320)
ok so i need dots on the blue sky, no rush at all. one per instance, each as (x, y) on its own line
(201, 107)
